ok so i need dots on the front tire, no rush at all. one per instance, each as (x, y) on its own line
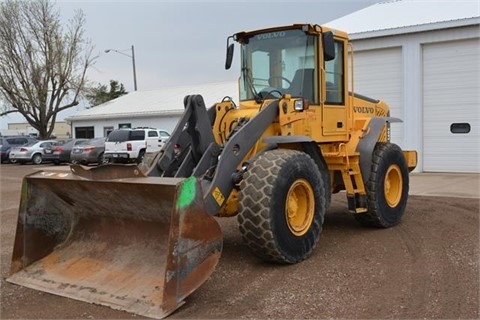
(282, 206)
(387, 187)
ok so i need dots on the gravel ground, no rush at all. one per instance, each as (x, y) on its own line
(427, 267)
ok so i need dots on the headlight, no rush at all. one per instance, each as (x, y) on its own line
(298, 106)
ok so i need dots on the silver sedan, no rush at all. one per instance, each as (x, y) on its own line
(31, 152)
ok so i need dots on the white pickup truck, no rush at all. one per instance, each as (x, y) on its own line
(131, 145)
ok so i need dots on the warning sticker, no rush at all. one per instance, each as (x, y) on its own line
(218, 196)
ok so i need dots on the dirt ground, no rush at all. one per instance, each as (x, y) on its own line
(427, 267)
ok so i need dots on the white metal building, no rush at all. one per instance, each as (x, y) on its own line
(423, 59)
(154, 108)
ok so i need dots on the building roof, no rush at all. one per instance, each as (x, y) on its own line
(167, 101)
(406, 16)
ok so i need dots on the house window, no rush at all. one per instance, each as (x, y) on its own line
(84, 132)
(124, 125)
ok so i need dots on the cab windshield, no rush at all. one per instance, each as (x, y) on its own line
(279, 62)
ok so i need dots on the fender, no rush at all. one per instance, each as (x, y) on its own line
(367, 143)
(310, 147)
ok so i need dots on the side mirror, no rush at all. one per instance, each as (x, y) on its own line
(230, 47)
(328, 46)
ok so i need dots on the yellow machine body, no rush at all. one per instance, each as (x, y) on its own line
(337, 127)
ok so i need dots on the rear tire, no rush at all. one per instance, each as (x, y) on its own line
(282, 206)
(387, 188)
(37, 158)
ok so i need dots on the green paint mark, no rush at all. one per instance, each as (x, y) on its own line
(187, 192)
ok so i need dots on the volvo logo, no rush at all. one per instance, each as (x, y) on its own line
(363, 109)
(271, 35)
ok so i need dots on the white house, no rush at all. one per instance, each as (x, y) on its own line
(423, 59)
(155, 108)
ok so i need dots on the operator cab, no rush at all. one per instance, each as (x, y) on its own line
(280, 61)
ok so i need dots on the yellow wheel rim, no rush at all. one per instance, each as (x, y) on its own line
(300, 207)
(393, 185)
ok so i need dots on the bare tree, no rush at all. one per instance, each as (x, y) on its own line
(42, 65)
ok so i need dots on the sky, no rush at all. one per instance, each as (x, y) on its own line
(181, 42)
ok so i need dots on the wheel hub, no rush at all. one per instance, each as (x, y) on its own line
(393, 185)
(300, 207)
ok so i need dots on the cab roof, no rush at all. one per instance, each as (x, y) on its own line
(307, 27)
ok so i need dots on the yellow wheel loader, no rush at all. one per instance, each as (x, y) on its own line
(142, 239)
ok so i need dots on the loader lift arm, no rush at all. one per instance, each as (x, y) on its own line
(215, 165)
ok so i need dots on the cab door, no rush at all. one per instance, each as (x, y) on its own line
(334, 109)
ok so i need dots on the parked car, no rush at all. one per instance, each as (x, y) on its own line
(131, 145)
(90, 151)
(8, 142)
(31, 152)
(60, 153)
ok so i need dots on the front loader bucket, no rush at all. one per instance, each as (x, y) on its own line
(114, 237)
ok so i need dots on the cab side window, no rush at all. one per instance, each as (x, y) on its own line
(152, 134)
(335, 74)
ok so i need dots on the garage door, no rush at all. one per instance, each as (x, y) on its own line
(451, 106)
(378, 74)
